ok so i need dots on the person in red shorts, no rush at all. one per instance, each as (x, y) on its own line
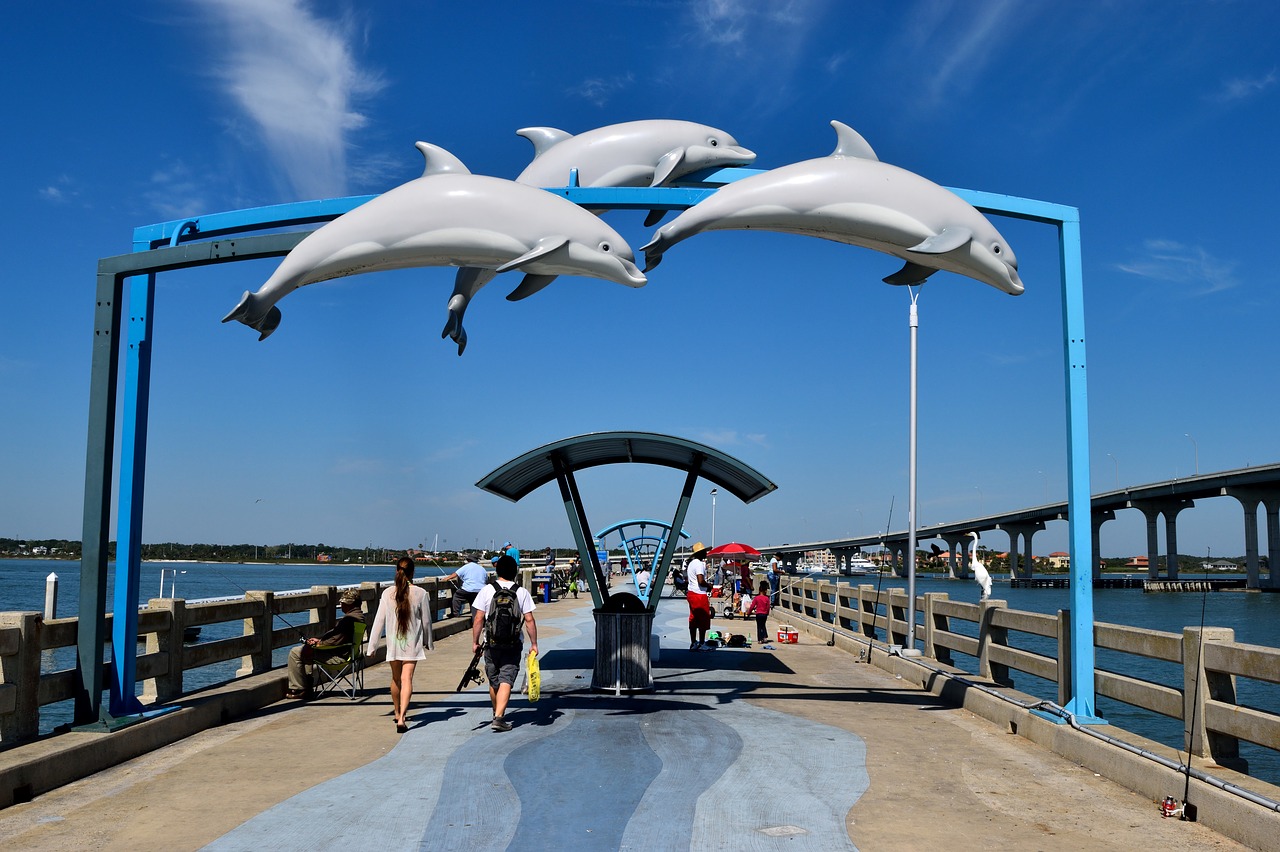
(699, 602)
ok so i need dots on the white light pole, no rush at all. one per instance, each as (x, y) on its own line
(713, 516)
(1197, 449)
(913, 320)
(1117, 464)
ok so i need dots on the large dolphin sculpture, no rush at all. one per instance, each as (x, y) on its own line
(450, 217)
(653, 152)
(852, 197)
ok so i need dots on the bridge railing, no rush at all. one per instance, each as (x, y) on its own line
(37, 657)
(992, 642)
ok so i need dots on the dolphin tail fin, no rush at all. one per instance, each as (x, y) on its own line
(654, 217)
(453, 325)
(453, 328)
(250, 312)
(653, 251)
(911, 273)
(530, 285)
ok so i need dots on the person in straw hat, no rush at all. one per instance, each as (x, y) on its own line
(699, 602)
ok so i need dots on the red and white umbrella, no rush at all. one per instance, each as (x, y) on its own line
(734, 550)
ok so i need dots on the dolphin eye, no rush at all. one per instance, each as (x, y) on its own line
(605, 247)
(713, 142)
(995, 248)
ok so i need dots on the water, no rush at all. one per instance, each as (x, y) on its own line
(22, 588)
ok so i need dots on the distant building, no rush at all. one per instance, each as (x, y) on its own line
(1058, 559)
(1220, 565)
(1137, 562)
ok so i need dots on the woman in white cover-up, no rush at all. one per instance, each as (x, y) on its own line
(403, 611)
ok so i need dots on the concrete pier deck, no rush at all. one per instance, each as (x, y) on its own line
(799, 747)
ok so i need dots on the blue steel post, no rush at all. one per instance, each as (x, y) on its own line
(1082, 702)
(133, 466)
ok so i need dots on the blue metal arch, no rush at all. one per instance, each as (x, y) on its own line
(106, 352)
(632, 547)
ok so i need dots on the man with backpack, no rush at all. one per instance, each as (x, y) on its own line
(502, 611)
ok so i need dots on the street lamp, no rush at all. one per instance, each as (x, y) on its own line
(1197, 449)
(1117, 464)
(713, 516)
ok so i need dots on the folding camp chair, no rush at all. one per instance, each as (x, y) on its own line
(346, 677)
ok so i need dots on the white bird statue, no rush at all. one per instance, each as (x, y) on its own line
(980, 573)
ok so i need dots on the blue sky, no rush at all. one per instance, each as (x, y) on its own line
(356, 423)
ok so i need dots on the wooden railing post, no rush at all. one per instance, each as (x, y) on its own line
(867, 609)
(326, 614)
(168, 686)
(20, 673)
(988, 635)
(1198, 686)
(258, 625)
(934, 621)
(897, 617)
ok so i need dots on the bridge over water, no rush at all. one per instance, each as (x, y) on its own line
(1158, 501)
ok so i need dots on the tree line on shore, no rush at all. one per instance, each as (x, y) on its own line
(56, 548)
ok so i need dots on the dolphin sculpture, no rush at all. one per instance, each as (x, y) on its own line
(653, 152)
(852, 197)
(450, 217)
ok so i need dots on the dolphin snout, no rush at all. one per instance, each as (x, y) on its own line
(635, 278)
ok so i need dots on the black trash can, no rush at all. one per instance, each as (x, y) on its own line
(623, 629)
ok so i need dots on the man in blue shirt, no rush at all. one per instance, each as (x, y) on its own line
(473, 578)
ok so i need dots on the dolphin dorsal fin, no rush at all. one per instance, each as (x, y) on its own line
(543, 138)
(849, 143)
(440, 161)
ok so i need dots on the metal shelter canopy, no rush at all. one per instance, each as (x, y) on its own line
(559, 461)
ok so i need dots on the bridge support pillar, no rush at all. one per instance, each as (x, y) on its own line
(1152, 510)
(1250, 498)
(954, 544)
(1097, 519)
(1021, 568)
(898, 557)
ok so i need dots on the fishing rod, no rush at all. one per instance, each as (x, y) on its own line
(288, 624)
(880, 581)
(1195, 702)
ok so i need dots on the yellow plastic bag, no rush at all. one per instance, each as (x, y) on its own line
(533, 676)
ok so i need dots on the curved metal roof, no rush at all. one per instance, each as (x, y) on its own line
(536, 468)
(643, 522)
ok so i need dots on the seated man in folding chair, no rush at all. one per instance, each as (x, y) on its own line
(331, 648)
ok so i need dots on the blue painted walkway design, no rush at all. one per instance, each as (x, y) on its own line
(693, 765)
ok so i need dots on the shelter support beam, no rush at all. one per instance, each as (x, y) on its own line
(596, 580)
(659, 579)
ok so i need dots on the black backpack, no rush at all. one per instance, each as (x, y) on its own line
(504, 620)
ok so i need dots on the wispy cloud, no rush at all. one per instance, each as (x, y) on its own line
(961, 39)
(732, 438)
(61, 191)
(294, 76)
(600, 90)
(749, 46)
(173, 192)
(1167, 260)
(1244, 88)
